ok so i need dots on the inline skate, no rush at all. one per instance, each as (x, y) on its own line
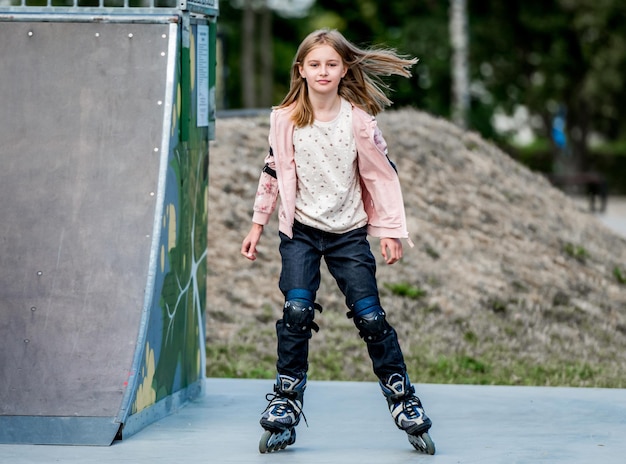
(282, 414)
(407, 411)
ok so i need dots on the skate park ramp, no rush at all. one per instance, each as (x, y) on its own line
(348, 422)
(102, 277)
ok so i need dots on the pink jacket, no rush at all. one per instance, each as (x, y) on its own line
(382, 196)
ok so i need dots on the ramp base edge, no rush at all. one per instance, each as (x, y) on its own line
(53, 430)
(135, 422)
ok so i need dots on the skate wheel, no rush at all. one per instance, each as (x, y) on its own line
(423, 443)
(276, 441)
(265, 438)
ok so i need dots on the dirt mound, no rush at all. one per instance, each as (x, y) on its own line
(505, 267)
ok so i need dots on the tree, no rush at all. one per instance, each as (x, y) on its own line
(248, 30)
(459, 65)
(541, 55)
(256, 67)
(417, 29)
(256, 53)
(554, 54)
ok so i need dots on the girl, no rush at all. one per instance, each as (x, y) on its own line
(327, 162)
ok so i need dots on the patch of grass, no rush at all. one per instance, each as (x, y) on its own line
(348, 363)
(238, 361)
(432, 309)
(460, 369)
(579, 253)
(430, 251)
(497, 306)
(488, 370)
(560, 299)
(345, 361)
(519, 286)
(266, 315)
(567, 314)
(619, 275)
(406, 290)
(470, 337)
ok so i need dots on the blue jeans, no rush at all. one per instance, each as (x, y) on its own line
(353, 266)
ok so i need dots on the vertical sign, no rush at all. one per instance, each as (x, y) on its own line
(202, 75)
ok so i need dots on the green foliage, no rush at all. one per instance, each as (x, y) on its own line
(554, 54)
(578, 252)
(497, 306)
(266, 315)
(405, 289)
(470, 337)
(620, 275)
(238, 361)
(430, 251)
(488, 370)
(494, 365)
(534, 54)
(615, 148)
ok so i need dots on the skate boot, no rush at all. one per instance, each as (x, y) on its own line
(282, 414)
(407, 411)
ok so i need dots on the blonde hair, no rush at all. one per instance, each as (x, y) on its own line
(362, 85)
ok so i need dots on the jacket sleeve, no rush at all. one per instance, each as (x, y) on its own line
(381, 144)
(267, 192)
(382, 194)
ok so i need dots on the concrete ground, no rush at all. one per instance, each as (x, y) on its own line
(615, 215)
(349, 423)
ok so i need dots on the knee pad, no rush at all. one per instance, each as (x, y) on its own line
(299, 312)
(369, 318)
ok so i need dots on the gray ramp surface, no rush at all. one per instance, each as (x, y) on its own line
(349, 423)
(79, 122)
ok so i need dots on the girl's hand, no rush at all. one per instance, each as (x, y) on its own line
(391, 249)
(248, 247)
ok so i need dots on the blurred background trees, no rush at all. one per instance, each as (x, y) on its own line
(545, 78)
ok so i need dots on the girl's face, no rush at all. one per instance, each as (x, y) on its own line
(323, 69)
